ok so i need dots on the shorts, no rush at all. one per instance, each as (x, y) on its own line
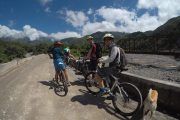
(59, 64)
(105, 72)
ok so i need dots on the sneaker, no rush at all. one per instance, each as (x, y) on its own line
(103, 91)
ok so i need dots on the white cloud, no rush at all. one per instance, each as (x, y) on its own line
(90, 28)
(122, 20)
(62, 35)
(116, 14)
(45, 2)
(7, 32)
(90, 11)
(166, 8)
(33, 33)
(28, 31)
(47, 10)
(76, 18)
(147, 4)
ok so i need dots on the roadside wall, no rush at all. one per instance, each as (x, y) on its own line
(6, 67)
(168, 93)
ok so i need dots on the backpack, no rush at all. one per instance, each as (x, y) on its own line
(98, 50)
(123, 59)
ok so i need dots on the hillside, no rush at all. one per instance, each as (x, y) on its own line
(165, 38)
(171, 27)
(97, 38)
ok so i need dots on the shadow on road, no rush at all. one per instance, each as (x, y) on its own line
(58, 89)
(89, 99)
(78, 82)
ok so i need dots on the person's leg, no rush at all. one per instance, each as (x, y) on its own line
(56, 75)
(102, 73)
(66, 75)
(56, 70)
(100, 80)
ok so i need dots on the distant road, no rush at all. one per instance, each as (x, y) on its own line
(25, 95)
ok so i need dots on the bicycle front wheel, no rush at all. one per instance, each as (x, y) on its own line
(128, 99)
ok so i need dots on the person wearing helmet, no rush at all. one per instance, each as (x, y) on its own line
(92, 54)
(113, 60)
(68, 55)
(57, 55)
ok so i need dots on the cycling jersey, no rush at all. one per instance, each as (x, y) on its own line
(57, 58)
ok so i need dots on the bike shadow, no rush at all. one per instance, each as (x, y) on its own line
(58, 89)
(88, 99)
(78, 82)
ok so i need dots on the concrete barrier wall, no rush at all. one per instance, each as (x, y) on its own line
(6, 67)
(168, 93)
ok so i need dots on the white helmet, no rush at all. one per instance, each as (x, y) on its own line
(89, 37)
(108, 35)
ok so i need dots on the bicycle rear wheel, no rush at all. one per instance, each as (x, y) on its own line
(62, 88)
(91, 84)
(128, 99)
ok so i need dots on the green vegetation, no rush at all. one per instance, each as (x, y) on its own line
(10, 50)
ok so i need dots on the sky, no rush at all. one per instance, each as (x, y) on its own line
(76, 18)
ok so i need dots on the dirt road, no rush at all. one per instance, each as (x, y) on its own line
(25, 94)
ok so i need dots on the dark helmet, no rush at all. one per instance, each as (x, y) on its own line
(58, 43)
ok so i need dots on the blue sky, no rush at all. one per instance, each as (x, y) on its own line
(75, 18)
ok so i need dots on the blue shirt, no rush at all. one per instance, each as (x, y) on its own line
(57, 53)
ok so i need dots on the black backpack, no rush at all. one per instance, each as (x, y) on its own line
(98, 50)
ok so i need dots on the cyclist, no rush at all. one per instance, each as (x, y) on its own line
(92, 54)
(68, 55)
(113, 60)
(57, 55)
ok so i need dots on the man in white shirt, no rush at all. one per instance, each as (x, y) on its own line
(113, 60)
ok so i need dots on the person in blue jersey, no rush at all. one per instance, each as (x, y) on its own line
(57, 55)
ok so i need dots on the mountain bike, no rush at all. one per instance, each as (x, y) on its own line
(126, 97)
(62, 87)
(85, 67)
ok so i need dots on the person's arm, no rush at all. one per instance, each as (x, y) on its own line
(110, 59)
(72, 56)
(89, 53)
(50, 55)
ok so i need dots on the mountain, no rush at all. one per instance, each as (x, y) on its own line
(164, 38)
(171, 27)
(97, 38)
